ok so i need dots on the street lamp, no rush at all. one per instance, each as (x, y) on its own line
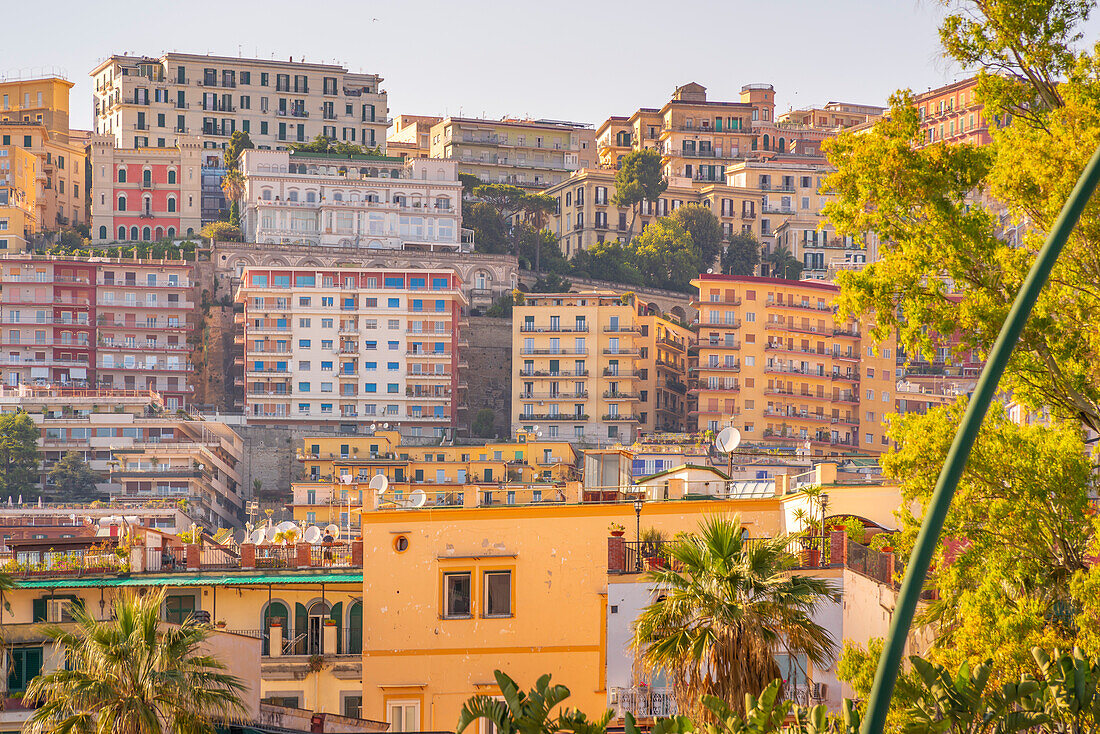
(638, 533)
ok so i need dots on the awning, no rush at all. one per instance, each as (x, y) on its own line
(195, 579)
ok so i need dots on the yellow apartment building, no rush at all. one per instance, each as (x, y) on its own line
(832, 115)
(593, 366)
(539, 587)
(528, 153)
(18, 198)
(410, 136)
(297, 609)
(775, 364)
(585, 214)
(34, 115)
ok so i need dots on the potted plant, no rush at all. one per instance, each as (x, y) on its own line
(220, 624)
(617, 530)
(653, 548)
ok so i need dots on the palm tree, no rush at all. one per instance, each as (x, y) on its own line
(133, 675)
(725, 606)
(784, 264)
(528, 713)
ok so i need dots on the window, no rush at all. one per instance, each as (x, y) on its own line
(457, 589)
(403, 716)
(177, 609)
(498, 593)
(353, 705)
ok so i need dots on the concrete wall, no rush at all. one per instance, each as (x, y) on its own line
(488, 377)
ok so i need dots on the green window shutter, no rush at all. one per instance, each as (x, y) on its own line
(38, 610)
(355, 628)
(301, 623)
(337, 616)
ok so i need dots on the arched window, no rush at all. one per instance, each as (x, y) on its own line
(316, 615)
(146, 177)
(394, 173)
(122, 203)
(311, 197)
(782, 145)
(292, 195)
(121, 234)
(442, 202)
(337, 196)
(133, 233)
(171, 175)
(190, 231)
(158, 234)
(372, 198)
(103, 233)
(147, 205)
(355, 629)
(399, 200)
(145, 234)
(121, 174)
(171, 203)
(766, 143)
(171, 233)
(276, 611)
(266, 194)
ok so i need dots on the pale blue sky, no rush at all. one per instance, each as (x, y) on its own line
(570, 59)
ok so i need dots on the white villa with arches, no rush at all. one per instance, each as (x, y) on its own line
(361, 201)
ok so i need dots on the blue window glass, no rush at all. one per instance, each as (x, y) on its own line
(258, 366)
(305, 280)
(304, 343)
(439, 411)
(418, 305)
(391, 387)
(392, 366)
(439, 284)
(394, 282)
(394, 303)
(371, 345)
(280, 366)
(371, 387)
(326, 366)
(440, 305)
(418, 284)
(394, 345)
(280, 281)
(348, 304)
(280, 323)
(370, 366)
(303, 387)
(259, 280)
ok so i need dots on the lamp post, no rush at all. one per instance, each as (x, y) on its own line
(638, 533)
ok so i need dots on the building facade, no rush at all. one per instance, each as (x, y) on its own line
(953, 114)
(410, 136)
(18, 198)
(331, 200)
(145, 194)
(774, 364)
(97, 322)
(34, 116)
(596, 366)
(146, 101)
(527, 153)
(350, 347)
(833, 115)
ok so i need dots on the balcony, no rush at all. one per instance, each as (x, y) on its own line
(532, 329)
(567, 396)
(548, 373)
(553, 416)
(644, 702)
(626, 374)
(555, 352)
(805, 306)
(732, 344)
(672, 344)
(621, 418)
(624, 351)
(609, 395)
(622, 330)
(735, 367)
(780, 325)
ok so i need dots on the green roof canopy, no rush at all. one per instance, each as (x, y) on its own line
(194, 579)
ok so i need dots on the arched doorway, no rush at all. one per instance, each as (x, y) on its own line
(276, 612)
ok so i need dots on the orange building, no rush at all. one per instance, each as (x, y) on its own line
(953, 113)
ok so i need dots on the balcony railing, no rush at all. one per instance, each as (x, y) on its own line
(644, 702)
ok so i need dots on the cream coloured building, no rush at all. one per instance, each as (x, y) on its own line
(527, 153)
(410, 136)
(374, 202)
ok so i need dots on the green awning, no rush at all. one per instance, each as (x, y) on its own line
(194, 579)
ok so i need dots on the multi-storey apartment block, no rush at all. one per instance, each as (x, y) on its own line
(18, 197)
(374, 202)
(833, 115)
(34, 116)
(952, 113)
(585, 214)
(528, 153)
(595, 365)
(145, 101)
(97, 322)
(145, 194)
(774, 363)
(411, 136)
(351, 347)
(143, 451)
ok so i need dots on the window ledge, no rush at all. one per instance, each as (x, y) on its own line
(497, 616)
(457, 616)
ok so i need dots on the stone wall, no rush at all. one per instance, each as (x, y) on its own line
(489, 375)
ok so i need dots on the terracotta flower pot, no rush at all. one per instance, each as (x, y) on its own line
(618, 533)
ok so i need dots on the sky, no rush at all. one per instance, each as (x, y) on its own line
(569, 60)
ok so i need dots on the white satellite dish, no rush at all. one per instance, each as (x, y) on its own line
(313, 535)
(379, 483)
(286, 525)
(270, 533)
(346, 478)
(258, 536)
(728, 440)
(334, 530)
(417, 498)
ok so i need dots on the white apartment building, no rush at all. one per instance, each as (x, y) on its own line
(375, 202)
(352, 347)
(145, 101)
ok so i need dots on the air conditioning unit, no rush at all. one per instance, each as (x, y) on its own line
(818, 691)
(59, 610)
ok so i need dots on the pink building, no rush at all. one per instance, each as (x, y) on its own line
(145, 194)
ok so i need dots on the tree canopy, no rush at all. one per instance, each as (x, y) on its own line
(323, 144)
(705, 231)
(639, 178)
(665, 255)
(19, 455)
(73, 479)
(742, 255)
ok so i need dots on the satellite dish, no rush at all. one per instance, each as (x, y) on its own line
(728, 440)
(385, 425)
(313, 535)
(270, 533)
(379, 483)
(346, 478)
(417, 498)
(286, 525)
(258, 536)
(334, 530)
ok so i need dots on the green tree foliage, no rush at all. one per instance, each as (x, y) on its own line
(239, 142)
(483, 426)
(133, 674)
(724, 608)
(934, 229)
(323, 144)
(665, 255)
(74, 479)
(782, 264)
(221, 232)
(742, 255)
(1016, 534)
(639, 178)
(705, 231)
(490, 233)
(607, 260)
(552, 283)
(516, 712)
(538, 250)
(19, 455)
(469, 183)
